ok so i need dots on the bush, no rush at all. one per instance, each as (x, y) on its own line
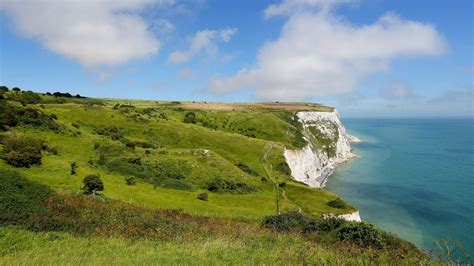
(21, 151)
(324, 225)
(292, 221)
(221, 185)
(362, 234)
(246, 169)
(28, 97)
(92, 184)
(190, 117)
(337, 203)
(20, 198)
(203, 196)
(113, 132)
(130, 180)
(11, 116)
(284, 168)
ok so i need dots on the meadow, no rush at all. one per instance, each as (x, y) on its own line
(206, 183)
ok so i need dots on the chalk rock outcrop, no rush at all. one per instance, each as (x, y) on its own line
(328, 145)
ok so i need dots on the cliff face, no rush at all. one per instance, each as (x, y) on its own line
(328, 145)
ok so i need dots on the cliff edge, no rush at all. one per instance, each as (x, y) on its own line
(328, 145)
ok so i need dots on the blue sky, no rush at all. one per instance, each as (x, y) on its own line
(366, 58)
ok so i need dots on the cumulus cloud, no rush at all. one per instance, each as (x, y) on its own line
(203, 41)
(94, 33)
(319, 54)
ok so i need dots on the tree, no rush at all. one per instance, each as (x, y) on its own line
(92, 184)
(190, 118)
(16, 89)
(3, 89)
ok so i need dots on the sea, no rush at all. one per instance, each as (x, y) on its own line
(413, 177)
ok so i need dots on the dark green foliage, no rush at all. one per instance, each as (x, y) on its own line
(141, 144)
(66, 95)
(291, 118)
(21, 151)
(190, 117)
(324, 225)
(28, 97)
(284, 168)
(20, 198)
(282, 185)
(130, 180)
(92, 184)
(11, 116)
(73, 168)
(337, 203)
(221, 185)
(292, 221)
(16, 89)
(113, 132)
(247, 169)
(362, 234)
(203, 196)
(3, 89)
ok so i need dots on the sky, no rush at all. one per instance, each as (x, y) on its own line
(367, 58)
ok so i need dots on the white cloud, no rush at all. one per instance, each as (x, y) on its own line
(319, 54)
(202, 41)
(94, 33)
(287, 7)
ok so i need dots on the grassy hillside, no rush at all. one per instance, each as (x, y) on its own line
(152, 156)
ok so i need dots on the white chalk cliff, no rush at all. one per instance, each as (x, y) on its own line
(328, 145)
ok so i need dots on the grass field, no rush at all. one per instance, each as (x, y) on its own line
(174, 151)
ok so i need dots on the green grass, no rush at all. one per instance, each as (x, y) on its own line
(206, 152)
(19, 247)
(253, 135)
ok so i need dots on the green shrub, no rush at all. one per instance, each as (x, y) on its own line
(221, 185)
(20, 198)
(292, 221)
(324, 225)
(362, 234)
(130, 180)
(203, 196)
(246, 169)
(21, 151)
(337, 203)
(11, 116)
(92, 184)
(113, 132)
(284, 168)
(190, 117)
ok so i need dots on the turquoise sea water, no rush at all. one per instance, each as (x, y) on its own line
(414, 177)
